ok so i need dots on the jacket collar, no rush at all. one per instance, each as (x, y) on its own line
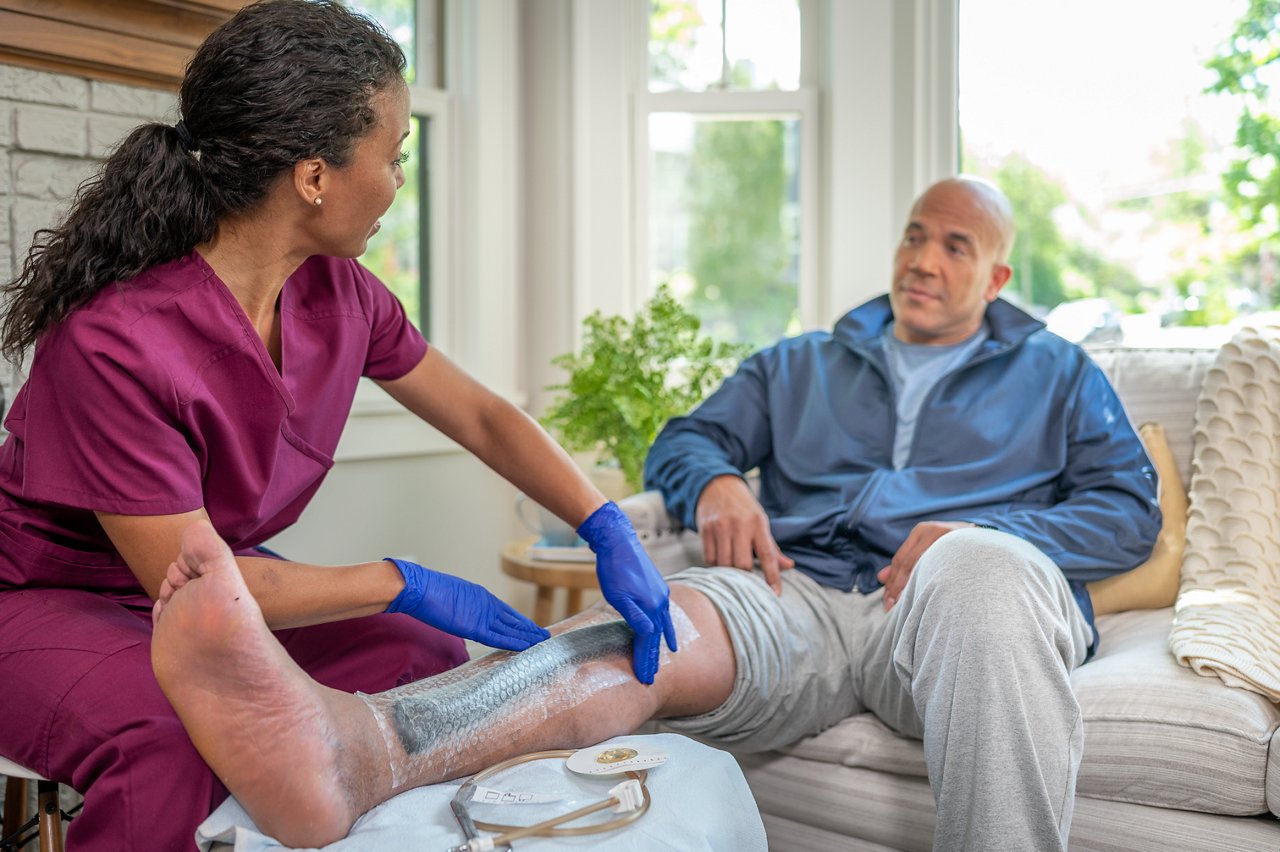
(865, 324)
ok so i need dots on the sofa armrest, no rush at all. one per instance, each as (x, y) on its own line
(671, 547)
(649, 515)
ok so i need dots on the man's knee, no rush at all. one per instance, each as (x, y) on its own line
(982, 561)
(983, 580)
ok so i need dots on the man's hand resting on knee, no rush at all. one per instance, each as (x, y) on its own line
(923, 535)
(632, 585)
(735, 530)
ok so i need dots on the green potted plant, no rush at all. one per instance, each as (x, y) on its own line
(630, 377)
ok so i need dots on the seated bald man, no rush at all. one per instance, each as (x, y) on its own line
(941, 472)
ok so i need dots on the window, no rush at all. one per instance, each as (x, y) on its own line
(725, 131)
(401, 254)
(410, 252)
(1113, 151)
(397, 252)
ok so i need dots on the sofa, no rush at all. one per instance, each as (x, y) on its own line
(1173, 760)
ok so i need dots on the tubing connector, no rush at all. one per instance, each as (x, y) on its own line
(629, 795)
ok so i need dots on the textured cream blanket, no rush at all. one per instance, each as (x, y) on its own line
(1227, 618)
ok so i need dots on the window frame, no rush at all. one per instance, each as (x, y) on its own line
(432, 105)
(882, 74)
(879, 87)
(801, 104)
(475, 242)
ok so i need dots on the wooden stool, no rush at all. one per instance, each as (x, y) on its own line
(547, 577)
(15, 796)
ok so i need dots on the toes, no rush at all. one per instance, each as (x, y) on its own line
(180, 564)
(175, 578)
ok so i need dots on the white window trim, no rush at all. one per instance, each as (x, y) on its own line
(474, 258)
(801, 105)
(879, 77)
(882, 73)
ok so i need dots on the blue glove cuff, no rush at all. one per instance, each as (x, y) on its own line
(604, 526)
(414, 586)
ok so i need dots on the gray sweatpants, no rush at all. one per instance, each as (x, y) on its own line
(974, 660)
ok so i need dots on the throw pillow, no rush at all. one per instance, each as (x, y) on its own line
(1154, 583)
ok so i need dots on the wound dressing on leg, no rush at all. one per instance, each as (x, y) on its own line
(438, 726)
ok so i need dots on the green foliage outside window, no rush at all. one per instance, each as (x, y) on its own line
(728, 203)
(630, 377)
(1049, 268)
(399, 253)
(741, 242)
(1249, 66)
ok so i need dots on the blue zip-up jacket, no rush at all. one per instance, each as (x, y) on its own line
(1027, 436)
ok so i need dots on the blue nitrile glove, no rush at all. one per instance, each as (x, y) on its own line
(631, 585)
(462, 608)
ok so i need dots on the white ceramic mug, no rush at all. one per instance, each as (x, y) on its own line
(554, 531)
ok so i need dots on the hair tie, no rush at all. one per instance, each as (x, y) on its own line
(187, 141)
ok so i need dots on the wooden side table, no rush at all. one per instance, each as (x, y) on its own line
(547, 577)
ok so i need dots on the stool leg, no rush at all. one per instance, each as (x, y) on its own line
(15, 804)
(574, 602)
(50, 816)
(542, 603)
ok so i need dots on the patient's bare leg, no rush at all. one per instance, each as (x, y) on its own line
(305, 760)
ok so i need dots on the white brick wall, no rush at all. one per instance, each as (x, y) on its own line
(54, 131)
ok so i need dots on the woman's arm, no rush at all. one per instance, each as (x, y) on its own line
(291, 594)
(516, 447)
(498, 433)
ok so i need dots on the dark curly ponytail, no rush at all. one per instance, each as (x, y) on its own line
(281, 81)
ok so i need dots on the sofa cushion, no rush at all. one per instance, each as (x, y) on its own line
(1159, 385)
(863, 741)
(1273, 777)
(806, 806)
(1159, 734)
(1155, 732)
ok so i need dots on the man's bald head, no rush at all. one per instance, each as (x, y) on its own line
(951, 262)
(992, 206)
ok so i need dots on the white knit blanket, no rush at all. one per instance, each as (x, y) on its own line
(1227, 618)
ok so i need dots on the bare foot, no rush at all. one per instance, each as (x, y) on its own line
(302, 759)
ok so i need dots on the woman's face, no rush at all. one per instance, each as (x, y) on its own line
(356, 195)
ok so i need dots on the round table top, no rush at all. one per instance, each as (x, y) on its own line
(566, 575)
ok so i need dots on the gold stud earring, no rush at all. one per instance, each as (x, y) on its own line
(317, 202)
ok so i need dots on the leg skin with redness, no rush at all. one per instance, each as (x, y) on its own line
(305, 761)
(446, 719)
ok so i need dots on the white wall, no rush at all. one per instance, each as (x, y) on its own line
(446, 511)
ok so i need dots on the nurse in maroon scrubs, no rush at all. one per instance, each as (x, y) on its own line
(200, 326)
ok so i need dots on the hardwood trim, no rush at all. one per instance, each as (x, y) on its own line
(145, 42)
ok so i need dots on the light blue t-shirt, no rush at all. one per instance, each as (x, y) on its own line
(915, 368)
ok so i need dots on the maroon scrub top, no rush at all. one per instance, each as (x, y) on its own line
(158, 397)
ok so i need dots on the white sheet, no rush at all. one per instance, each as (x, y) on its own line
(700, 802)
